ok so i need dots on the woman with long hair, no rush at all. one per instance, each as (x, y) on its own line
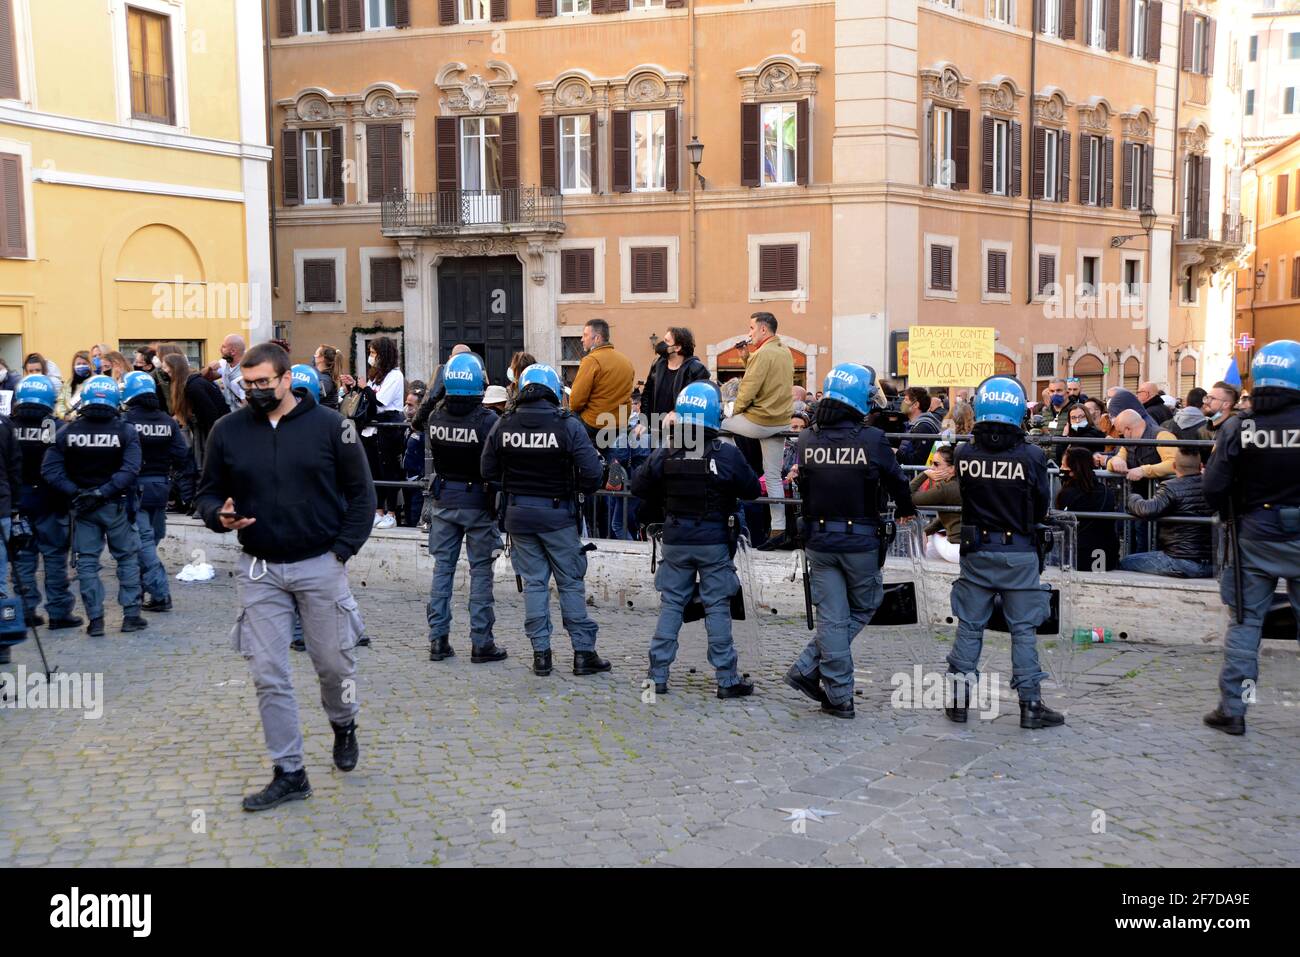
(328, 363)
(115, 365)
(518, 363)
(385, 442)
(35, 364)
(937, 485)
(1097, 541)
(70, 394)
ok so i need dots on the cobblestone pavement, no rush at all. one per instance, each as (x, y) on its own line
(487, 764)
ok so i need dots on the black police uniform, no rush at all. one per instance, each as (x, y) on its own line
(34, 429)
(162, 448)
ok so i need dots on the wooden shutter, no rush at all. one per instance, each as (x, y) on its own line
(577, 271)
(1046, 272)
(446, 153)
(1107, 171)
(1295, 278)
(986, 153)
(1155, 27)
(750, 144)
(778, 268)
(671, 159)
(336, 165)
(1040, 14)
(961, 148)
(997, 271)
(1185, 39)
(545, 8)
(1283, 182)
(354, 16)
(290, 169)
(334, 16)
(498, 10)
(594, 126)
(674, 4)
(649, 269)
(393, 158)
(1014, 136)
(374, 163)
(941, 267)
(548, 134)
(1126, 164)
(1204, 209)
(446, 12)
(402, 13)
(1067, 19)
(1038, 170)
(510, 167)
(1209, 46)
(616, 6)
(1063, 168)
(1148, 179)
(803, 130)
(13, 223)
(620, 159)
(598, 7)
(8, 53)
(1112, 24)
(1085, 170)
(284, 19)
(386, 279)
(318, 281)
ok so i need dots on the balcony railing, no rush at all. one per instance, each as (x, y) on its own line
(1230, 230)
(151, 97)
(457, 210)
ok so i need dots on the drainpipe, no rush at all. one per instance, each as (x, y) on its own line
(695, 100)
(1033, 89)
(1178, 83)
(270, 173)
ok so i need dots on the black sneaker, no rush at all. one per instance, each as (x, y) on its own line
(134, 623)
(345, 745)
(810, 685)
(96, 627)
(589, 663)
(298, 645)
(742, 689)
(363, 641)
(65, 621)
(284, 786)
(959, 710)
(440, 648)
(1035, 715)
(157, 604)
(489, 652)
(661, 687)
(542, 663)
(844, 710)
(1227, 723)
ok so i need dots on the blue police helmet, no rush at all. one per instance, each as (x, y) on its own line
(136, 384)
(36, 390)
(463, 375)
(851, 384)
(1000, 398)
(304, 376)
(543, 375)
(1277, 365)
(100, 390)
(699, 404)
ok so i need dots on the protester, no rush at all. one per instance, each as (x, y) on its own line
(97, 360)
(115, 365)
(938, 485)
(1056, 406)
(518, 363)
(671, 373)
(1074, 390)
(1185, 547)
(1220, 405)
(916, 405)
(384, 442)
(327, 361)
(495, 398)
(196, 399)
(413, 467)
(35, 364)
(227, 369)
(1096, 539)
(70, 394)
(1152, 399)
(9, 379)
(1137, 462)
(763, 407)
(1079, 425)
(602, 389)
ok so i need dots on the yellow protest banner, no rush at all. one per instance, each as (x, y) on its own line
(949, 355)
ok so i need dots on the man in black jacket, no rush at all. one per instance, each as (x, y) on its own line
(677, 368)
(1185, 549)
(291, 478)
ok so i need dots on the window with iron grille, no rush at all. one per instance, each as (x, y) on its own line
(577, 271)
(1044, 365)
(649, 269)
(386, 279)
(778, 268)
(318, 280)
(941, 267)
(570, 350)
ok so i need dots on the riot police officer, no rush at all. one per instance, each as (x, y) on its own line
(1004, 497)
(845, 467)
(542, 459)
(1252, 479)
(94, 461)
(698, 478)
(34, 428)
(162, 448)
(458, 431)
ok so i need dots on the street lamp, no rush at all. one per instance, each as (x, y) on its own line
(1146, 219)
(695, 153)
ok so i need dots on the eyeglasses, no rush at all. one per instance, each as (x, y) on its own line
(259, 383)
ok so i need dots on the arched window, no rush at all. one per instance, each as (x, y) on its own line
(1186, 376)
(1088, 371)
(1132, 373)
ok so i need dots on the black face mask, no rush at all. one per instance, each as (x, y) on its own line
(263, 400)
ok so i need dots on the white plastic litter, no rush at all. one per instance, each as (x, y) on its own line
(196, 572)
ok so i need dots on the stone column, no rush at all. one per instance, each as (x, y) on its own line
(417, 309)
(541, 259)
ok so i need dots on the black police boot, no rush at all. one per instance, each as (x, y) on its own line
(298, 645)
(742, 689)
(1227, 723)
(345, 745)
(35, 619)
(1035, 714)
(542, 663)
(810, 685)
(487, 653)
(661, 687)
(67, 621)
(134, 623)
(96, 628)
(844, 710)
(284, 786)
(958, 711)
(363, 641)
(589, 663)
(440, 648)
(157, 604)
(4, 654)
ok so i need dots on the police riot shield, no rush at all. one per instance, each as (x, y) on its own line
(1062, 651)
(904, 602)
(745, 610)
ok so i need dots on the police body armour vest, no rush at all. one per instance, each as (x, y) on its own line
(839, 481)
(691, 488)
(1269, 471)
(535, 453)
(93, 450)
(456, 443)
(35, 432)
(155, 429)
(996, 488)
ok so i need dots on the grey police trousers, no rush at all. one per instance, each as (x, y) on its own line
(331, 625)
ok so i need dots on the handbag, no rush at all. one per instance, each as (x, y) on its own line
(359, 405)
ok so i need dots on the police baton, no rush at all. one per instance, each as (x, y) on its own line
(1235, 544)
(807, 592)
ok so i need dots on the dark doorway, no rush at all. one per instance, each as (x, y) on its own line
(481, 303)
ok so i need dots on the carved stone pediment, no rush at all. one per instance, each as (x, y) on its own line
(1050, 109)
(1095, 118)
(1195, 139)
(1000, 96)
(1138, 125)
(945, 84)
(648, 86)
(778, 77)
(467, 92)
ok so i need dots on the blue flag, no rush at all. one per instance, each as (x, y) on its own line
(1232, 376)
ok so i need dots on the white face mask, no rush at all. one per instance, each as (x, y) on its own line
(510, 374)
(371, 361)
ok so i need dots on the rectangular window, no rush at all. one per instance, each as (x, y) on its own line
(646, 4)
(386, 279)
(1138, 29)
(1133, 277)
(149, 50)
(13, 222)
(577, 271)
(383, 160)
(942, 168)
(480, 154)
(575, 154)
(780, 139)
(1091, 174)
(475, 11)
(1293, 46)
(311, 16)
(649, 128)
(1187, 288)
(1046, 273)
(941, 267)
(380, 14)
(1097, 24)
(1137, 181)
(997, 271)
(1091, 276)
(318, 280)
(649, 269)
(1198, 44)
(1000, 10)
(1051, 13)
(1001, 158)
(1254, 48)
(573, 8)
(778, 268)
(316, 166)
(1051, 161)
(1250, 102)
